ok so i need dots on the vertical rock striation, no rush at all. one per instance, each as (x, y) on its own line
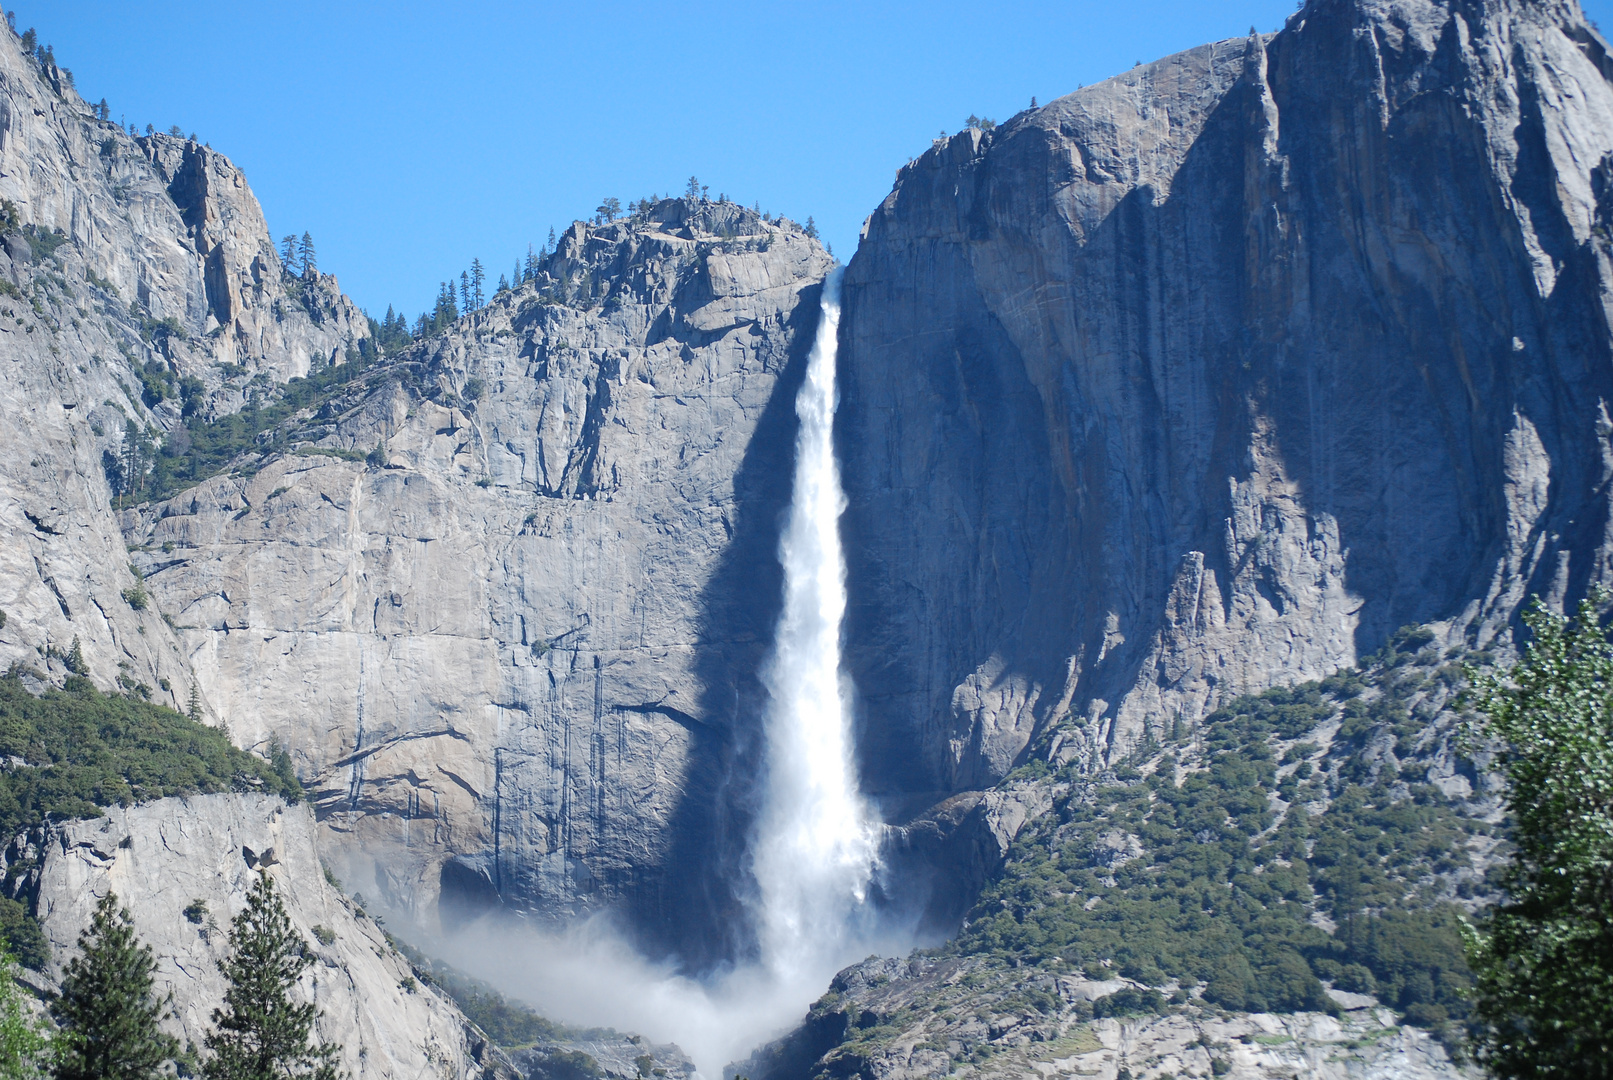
(514, 653)
(1210, 376)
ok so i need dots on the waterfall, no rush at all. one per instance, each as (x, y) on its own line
(815, 842)
(814, 847)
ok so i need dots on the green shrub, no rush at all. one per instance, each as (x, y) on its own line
(81, 750)
(1223, 891)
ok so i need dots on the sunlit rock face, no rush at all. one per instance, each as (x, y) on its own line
(514, 653)
(121, 254)
(184, 867)
(1210, 376)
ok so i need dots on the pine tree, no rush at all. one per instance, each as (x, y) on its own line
(530, 271)
(75, 658)
(259, 1034)
(288, 252)
(811, 227)
(692, 192)
(464, 291)
(447, 307)
(503, 284)
(23, 1038)
(194, 708)
(609, 208)
(305, 251)
(106, 1008)
(550, 246)
(478, 276)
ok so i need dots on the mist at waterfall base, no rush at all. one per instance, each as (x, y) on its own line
(814, 849)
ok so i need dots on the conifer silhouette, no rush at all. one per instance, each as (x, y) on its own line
(106, 1008)
(259, 1033)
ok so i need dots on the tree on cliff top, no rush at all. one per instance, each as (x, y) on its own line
(1544, 963)
(259, 1034)
(106, 1008)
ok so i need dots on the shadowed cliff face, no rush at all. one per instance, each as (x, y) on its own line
(1208, 377)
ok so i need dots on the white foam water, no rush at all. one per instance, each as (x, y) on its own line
(815, 842)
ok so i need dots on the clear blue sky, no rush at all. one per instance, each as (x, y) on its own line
(409, 138)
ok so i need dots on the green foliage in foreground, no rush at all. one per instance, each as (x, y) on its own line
(23, 1037)
(1208, 871)
(1545, 961)
(76, 750)
(107, 1010)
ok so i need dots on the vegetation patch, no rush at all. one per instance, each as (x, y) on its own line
(70, 753)
(204, 447)
(74, 751)
(1220, 869)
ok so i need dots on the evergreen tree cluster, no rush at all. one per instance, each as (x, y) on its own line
(110, 1017)
(77, 750)
(206, 446)
(1210, 872)
(297, 256)
(43, 55)
(392, 332)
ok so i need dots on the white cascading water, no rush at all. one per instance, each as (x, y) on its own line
(815, 845)
(815, 841)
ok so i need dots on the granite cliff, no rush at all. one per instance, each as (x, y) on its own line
(1202, 380)
(123, 257)
(1208, 377)
(510, 638)
(502, 595)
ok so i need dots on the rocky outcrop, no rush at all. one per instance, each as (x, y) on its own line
(1208, 377)
(121, 256)
(893, 1019)
(514, 653)
(184, 867)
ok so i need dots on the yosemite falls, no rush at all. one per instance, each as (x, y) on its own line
(815, 842)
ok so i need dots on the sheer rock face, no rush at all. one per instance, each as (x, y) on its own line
(1210, 376)
(517, 663)
(183, 867)
(119, 252)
